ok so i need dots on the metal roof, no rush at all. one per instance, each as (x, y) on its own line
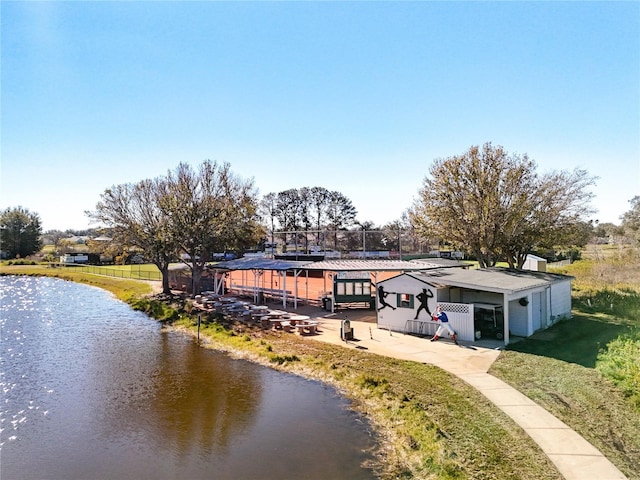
(338, 265)
(500, 280)
(259, 263)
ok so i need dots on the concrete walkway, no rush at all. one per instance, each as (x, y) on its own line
(575, 458)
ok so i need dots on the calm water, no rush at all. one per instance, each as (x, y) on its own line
(93, 390)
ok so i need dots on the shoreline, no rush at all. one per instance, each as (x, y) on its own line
(403, 401)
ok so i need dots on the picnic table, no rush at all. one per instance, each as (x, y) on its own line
(278, 322)
(294, 319)
(278, 314)
(307, 327)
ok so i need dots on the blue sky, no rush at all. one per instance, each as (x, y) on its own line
(358, 97)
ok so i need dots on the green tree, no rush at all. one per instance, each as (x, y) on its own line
(289, 211)
(495, 206)
(298, 210)
(319, 200)
(340, 214)
(631, 219)
(20, 232)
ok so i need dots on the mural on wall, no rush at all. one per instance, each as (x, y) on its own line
(382, 295)
(424, 297)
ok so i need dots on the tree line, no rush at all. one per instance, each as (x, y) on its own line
(307, 209)
(493, 205)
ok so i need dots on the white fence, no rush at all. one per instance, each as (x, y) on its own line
(460, 317)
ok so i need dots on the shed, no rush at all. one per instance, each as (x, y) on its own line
(535, 263)
(527, 301)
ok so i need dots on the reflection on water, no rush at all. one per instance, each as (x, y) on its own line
(92, 389)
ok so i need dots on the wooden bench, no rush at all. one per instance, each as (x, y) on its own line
(250, 291)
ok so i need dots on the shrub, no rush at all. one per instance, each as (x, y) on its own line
(280, 359)
(21, 261)
(155, 309)
(620, 362)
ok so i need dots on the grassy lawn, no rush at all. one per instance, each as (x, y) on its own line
(123, 288)
(137, 272)
(577, 370)
(558, 370)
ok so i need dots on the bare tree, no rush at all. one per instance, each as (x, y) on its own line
(210, 210)
(494, 205)
(132, 214)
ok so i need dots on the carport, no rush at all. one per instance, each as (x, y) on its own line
(254, 286)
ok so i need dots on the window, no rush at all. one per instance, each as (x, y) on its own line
(348, 288)
(405, 300)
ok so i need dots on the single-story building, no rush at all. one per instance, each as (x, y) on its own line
(331, 283)
(496, 302)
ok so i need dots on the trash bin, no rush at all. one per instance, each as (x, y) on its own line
(260, 297)
(346, 332)
(327, 303)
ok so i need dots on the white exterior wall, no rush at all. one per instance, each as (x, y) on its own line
(396, 320)
(554, 303)
(535, 264)
(403, 319)
(522, 318)
(74, 258)
(560, 301)
(519, 323)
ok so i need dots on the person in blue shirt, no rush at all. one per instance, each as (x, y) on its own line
(440, 316)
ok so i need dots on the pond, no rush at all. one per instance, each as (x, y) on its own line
(93, 389)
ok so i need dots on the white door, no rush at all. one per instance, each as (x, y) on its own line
(536, 311)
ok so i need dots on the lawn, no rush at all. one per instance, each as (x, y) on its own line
(586, 370)
(146, 271)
